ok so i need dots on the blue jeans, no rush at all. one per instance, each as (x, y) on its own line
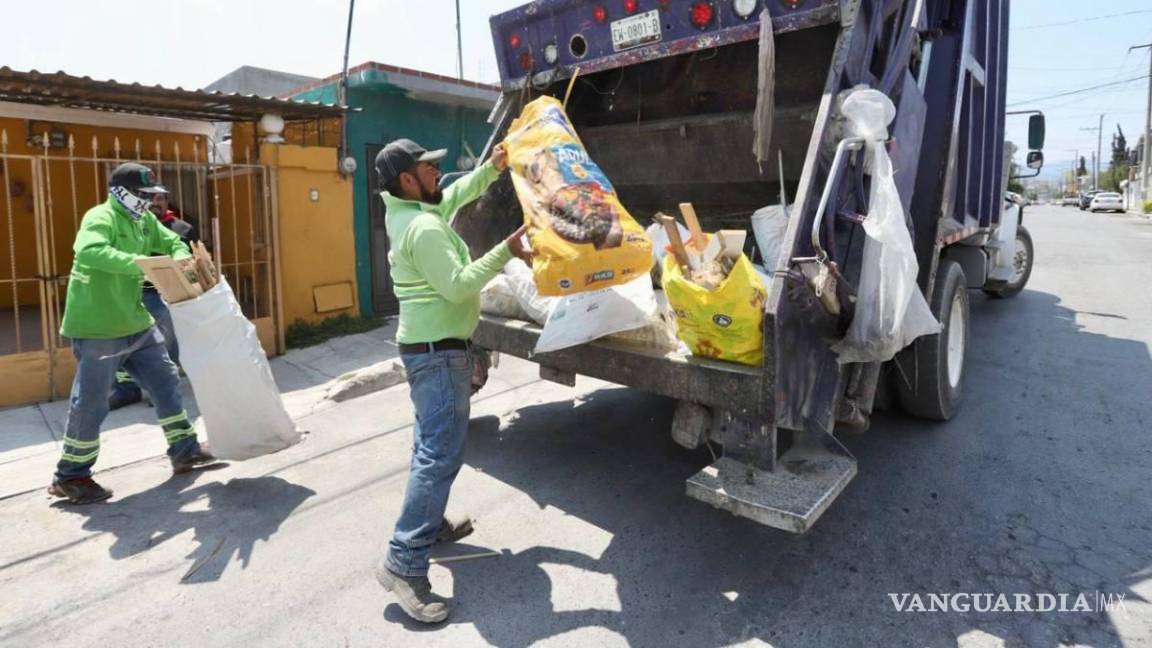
(143, 355)
(124, 383)
(441, 385)
(159, 310)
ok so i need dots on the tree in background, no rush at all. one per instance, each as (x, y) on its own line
(1011, 169)
(1118, 170)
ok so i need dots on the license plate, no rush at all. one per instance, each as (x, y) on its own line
(636, 31)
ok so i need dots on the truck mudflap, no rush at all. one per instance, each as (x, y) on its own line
(807, 478)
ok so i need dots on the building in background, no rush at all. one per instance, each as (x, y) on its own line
(393, 102)
(278, 218)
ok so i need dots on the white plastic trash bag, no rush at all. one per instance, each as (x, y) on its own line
(891, 311)
(523, 286)
(583, 317)
(769, 225)
(240, 405)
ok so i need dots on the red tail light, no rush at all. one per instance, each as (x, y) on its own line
(599, 13)
(630, 6)
(702, 14)
(526, 61)
(514, 41)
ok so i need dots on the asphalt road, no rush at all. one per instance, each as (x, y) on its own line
(1042, 484)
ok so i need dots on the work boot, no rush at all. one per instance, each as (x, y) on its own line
(84, 490)
(454, 528)
(199, 459)
(414, 594)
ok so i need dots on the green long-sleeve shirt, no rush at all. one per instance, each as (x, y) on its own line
(104, 287)
(436, 281)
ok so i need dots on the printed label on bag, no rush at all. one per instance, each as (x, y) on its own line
(578, 168)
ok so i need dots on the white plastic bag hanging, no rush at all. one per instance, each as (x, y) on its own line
(891, 311)
(583, 317)
(239, 402)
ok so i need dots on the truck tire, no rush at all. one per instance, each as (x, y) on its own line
(939, 375)
(1021, 271)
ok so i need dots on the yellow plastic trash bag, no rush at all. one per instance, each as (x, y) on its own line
(583, 237)
(724, 324)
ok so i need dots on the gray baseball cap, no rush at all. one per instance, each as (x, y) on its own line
(403, 154)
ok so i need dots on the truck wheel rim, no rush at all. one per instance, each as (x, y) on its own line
(956, 341)
(1019, 262)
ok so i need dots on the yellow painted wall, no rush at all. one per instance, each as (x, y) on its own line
(317, 242)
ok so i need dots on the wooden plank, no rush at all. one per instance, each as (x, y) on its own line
(678, 251)
(699, 240)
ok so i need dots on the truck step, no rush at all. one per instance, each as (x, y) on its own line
(807, 479)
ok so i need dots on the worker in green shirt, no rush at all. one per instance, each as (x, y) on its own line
(110, 327)
(438, 286)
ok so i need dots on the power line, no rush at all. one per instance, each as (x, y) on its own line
(1083, 20)
(1076, 92)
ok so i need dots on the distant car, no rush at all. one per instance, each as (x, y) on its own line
(1086, 199)
(1070, 200)
(1106, 201)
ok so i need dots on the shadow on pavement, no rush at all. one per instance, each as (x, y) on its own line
(226, 519)
(1020, 493)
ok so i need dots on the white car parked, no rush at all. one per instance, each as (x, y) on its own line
(1106, 201)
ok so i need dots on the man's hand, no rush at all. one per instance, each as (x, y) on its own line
(516, 243)
(500, 157)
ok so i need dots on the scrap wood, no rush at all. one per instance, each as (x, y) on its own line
(675, 243)
(173, 279)
(699, 239)
(448, 559)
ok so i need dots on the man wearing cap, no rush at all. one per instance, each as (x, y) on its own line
(438, 287)
(109, 325)
(125, 391)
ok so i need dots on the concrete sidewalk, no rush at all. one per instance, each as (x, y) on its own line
(30, 436)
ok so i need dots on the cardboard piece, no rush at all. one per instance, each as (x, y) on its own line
(176, 281)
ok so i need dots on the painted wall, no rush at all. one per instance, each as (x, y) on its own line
(387, 113)
(316, 236)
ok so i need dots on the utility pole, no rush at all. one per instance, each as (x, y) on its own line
(1146, 157)
(1096, 160)
(343, 92)
(459, 45)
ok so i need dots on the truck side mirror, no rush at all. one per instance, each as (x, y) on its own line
(1035, 160)
(1035, 135)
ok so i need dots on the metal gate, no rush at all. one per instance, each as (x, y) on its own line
(46, 193)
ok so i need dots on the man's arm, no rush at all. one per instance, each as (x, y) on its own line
(94, 249)
(435, 258)
(467, 189)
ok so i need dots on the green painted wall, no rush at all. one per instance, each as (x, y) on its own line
(387, 114)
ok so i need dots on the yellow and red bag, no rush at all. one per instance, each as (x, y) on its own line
(583, 237)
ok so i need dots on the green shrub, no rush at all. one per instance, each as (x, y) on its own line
(1148, 207)
(305, 334)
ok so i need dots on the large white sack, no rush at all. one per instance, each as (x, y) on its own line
(240, 406)
(891, 311)
(583, 317)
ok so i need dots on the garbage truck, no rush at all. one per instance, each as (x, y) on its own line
(669, 98)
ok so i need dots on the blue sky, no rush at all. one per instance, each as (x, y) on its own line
(190, 43)
(1051, 60)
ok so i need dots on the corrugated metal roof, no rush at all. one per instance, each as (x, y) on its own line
(65, 90)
